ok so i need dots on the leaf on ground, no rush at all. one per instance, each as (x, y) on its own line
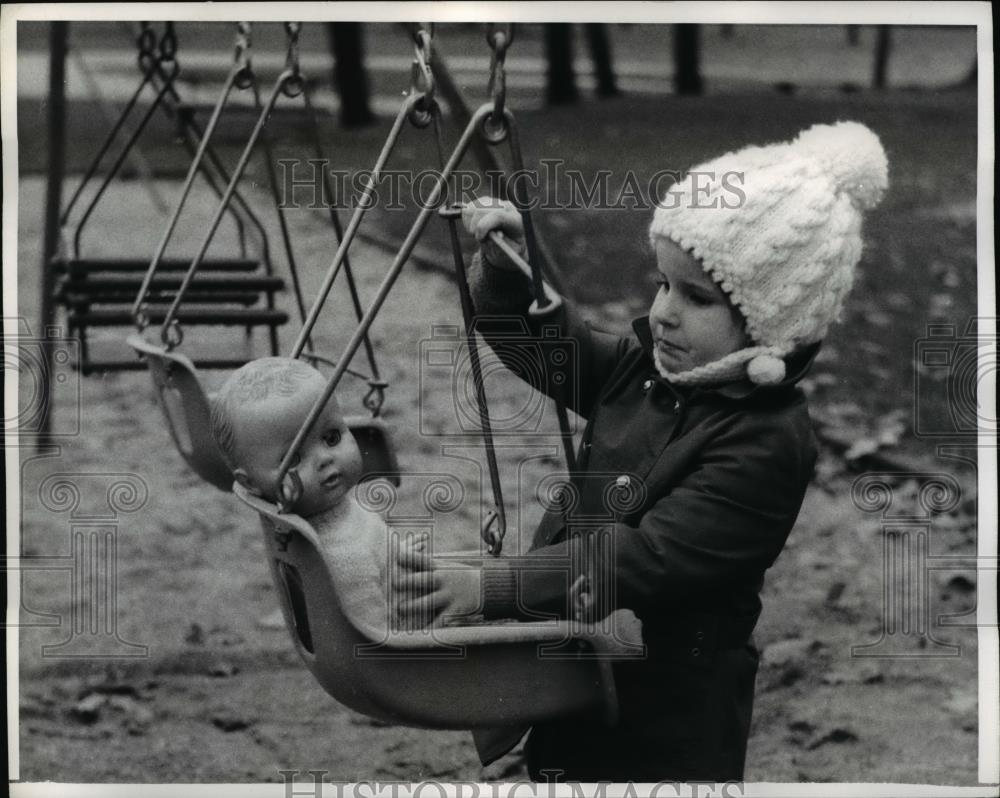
(834, 736)
(230, 723)
(88, 710)
(222, 669)
(861, 448)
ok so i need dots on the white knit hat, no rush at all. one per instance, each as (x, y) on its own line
(785, 252)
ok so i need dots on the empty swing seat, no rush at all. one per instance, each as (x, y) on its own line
(86, 265)
(457, 677)
(99, 292)
(187, 410)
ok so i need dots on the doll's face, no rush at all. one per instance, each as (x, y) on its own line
(692, 319)
(328, 463)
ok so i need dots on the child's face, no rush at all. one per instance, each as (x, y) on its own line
(692, 320)
(328, 463)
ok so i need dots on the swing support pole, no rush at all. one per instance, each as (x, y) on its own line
(56, 143)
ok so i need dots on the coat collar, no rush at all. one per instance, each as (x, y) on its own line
(797, 365)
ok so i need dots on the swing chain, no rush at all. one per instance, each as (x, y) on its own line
(244, 72)
(375, 397)
(292, 86)
(146, 42)
(422, 77)
(168, 44)
(499, 38)
(167, 53)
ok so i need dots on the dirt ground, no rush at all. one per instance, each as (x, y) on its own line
(204, 688)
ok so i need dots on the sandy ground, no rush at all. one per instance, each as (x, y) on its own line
(210, 694)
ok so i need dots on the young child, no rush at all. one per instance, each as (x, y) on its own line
(255, 417)
(755, 256)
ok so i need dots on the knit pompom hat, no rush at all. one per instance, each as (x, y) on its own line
(779, 229)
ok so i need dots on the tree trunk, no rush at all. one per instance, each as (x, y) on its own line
(347, 45)
(561, 87)
(600, 54)
(687, 73)
(882, 47)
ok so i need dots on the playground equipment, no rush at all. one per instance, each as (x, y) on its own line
(177, 388)
(468, 677)
(97, 292)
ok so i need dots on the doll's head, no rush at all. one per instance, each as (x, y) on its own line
(258, 413)
(778, 230)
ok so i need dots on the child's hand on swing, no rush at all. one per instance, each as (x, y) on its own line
(425, 594)
(486, 214)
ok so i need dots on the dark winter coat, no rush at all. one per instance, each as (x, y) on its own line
(691, 494)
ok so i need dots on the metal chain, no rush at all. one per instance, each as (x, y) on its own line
(168, 44)
(294, 82)
(146, 43)
(422, 76)
(499, 38)
(494, 526)
(244, 71)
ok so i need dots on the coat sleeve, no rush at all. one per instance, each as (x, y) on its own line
(558, 354)
(726, 521)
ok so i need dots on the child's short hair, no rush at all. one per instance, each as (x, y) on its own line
(253, 382)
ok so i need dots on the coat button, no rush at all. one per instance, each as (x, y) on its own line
(623, 481)
(699, 635)
(695, 652)
(647, 385)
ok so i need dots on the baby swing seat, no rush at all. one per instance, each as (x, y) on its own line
(458, 677)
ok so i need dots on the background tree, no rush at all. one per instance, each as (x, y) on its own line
(561, 83)
(687, 70)
(600, 54)
(882, 47)
(349, 78)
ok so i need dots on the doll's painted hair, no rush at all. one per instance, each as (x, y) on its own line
(250, 384)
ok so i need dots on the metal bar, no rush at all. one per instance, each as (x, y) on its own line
(185, 190)
(386, 286)
(227, 196)
(338, 228)
(56, 143)
(352, 228)
(115, 167)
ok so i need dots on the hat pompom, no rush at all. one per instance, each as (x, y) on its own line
(853, 157)
(766, 370)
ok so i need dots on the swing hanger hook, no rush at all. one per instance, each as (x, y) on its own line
(141, 317)
(293, 83)
(244, 78)
(171, 335)
(146, 42)
(168, 44)
(422, 77)
(499, 38)
(493, 532)
(290, 490)
(375, 397)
